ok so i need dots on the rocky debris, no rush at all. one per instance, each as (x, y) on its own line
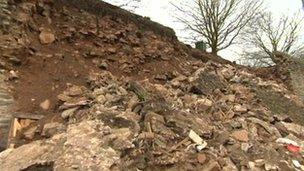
(51, 129)
(13, 75)
(205, 82)
(294, 128)
(222, 130)
(129, 99)
(79, 140)
(68, 113)
(74, 96)
(241, 135)
(30, 133)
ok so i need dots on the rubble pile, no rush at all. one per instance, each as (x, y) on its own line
(67, 43)
(116, 97)
(212, 120)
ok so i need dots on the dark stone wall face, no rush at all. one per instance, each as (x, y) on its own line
(297, 77)
(5, 117)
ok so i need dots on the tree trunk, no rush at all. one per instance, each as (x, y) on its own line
(214, 50)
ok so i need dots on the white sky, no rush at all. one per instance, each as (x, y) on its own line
(161, 11)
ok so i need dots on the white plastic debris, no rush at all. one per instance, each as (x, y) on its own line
(286, 141)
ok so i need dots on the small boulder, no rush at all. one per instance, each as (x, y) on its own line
(241, 135)
(51, 129)
(294, 128)
(240, 108)
(46, 37)
(203, 104)
(45, 105)
(30, 133)
(68, 113)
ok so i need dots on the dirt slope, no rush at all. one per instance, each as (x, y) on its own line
(119, 92)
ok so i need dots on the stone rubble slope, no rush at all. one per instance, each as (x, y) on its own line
(118, 124)
(116, 97)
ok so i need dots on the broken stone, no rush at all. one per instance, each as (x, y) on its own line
(283, 118)
(51, 129)
(122, 139)
(241, 135)
(203, 104)
(46, 37)
(161, 77)
(245, 147)
(30, 133)
(270, 129)
(230, 98)
(68, 113)
(75, 90)
(294, 128)
(45, 105)
(286, 141)
(201, 158)
(284, 165)
(259, 162)
(79, 102)
(229, 165)
(13, 75)
(212, 166)
(269, 167)
(112, 50)
(240, 108)
(103, 65)
(228, 73)
(204, 82)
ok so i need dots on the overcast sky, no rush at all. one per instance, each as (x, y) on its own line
(161, 11)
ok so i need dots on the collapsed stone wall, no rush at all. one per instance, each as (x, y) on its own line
(297, 78)
(290, 71)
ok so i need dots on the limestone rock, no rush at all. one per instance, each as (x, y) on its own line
(45, 105)
(241, 135)
(46, 37)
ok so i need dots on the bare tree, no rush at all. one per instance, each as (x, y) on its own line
(217, 22)
(267, 35)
